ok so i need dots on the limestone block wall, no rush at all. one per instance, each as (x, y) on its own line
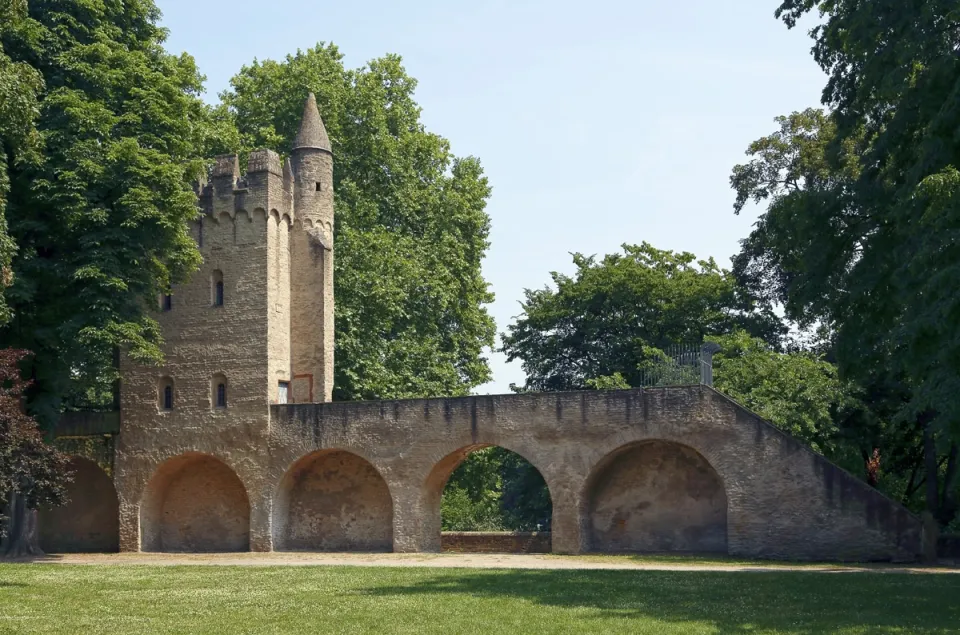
(279, 233)
(89, 522)
(333, 501)
(654, 496)
(671, 469)
(781, 500)
(495, 542)
(206, 344)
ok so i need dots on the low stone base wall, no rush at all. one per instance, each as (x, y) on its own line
(495, 542)
(948, 547)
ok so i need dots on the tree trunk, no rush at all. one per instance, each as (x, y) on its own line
(873, 468)
(22, 539)
(931, 467)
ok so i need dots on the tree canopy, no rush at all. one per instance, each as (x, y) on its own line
(861, 231)
(32, 473)
(20, 84)
(615, 314)
(799, 391)
(410, 226)
(99, 212)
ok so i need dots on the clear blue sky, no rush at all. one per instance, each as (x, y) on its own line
(597, 123)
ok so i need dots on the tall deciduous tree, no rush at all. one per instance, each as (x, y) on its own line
(798, 391)
(862, 228)
(99, 216)
(32, 473)
(19, 85)
(600, 326)
(411, 229)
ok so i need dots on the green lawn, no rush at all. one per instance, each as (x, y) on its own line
(218, 599)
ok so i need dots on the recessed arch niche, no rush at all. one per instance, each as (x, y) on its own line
(656, 496)
(333, 500)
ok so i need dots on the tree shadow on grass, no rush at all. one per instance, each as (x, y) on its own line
(786, 602)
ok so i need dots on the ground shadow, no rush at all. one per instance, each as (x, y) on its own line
(786, 602)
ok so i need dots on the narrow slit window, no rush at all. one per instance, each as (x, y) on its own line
(166, 393)
(219, 389)
(283, 392)
(216, 288)
(167, 302)
(319, 187)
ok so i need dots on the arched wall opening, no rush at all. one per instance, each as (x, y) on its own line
(487, 498)
(194, 503)
(333, 500)
(656, 496)
(90, 521)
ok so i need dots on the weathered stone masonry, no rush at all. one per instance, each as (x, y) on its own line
(252, 455)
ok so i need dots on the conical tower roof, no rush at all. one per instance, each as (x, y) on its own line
(312, 134)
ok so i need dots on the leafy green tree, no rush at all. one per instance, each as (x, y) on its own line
(19, 85)
(862, 227)
(32, 473)
(603, 326)
(100, 215)
(799, 391)
(411, 229)
(471, 497)
(494, 489)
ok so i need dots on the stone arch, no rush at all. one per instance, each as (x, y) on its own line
(436, 482)
(90, 521)
(655, 496)
(194, 503)
(333, 500)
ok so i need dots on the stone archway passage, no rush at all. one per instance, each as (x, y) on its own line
(657, 496)
(195, 503)
(518, 521)
(89, 522)
(333, 501)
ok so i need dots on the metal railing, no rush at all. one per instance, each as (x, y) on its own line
(681, 365)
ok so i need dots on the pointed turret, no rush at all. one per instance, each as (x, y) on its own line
(312, 134)
(311, 259)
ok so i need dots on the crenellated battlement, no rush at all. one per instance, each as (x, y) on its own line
(266, 184)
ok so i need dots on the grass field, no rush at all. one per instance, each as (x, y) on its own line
(218, 599)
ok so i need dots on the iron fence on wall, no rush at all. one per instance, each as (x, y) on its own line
(681, 365)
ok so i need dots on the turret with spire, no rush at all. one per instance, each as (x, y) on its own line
(312, 163)
(311, 258)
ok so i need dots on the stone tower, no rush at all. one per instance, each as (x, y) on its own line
(258, 316)
(253, 327)
(311, 250)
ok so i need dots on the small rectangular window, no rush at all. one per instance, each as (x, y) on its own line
(218, 299)
(221, 395)
(319, 188)
(167, 302)
(168, 397)
(283, 390)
